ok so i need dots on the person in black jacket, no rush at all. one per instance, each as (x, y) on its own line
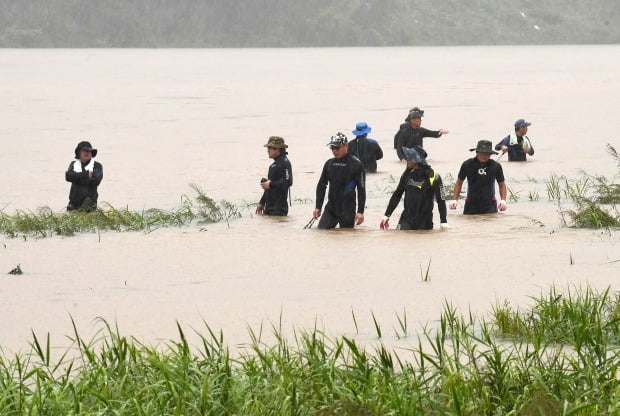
(279, 180)
(517, 144)
(345, 174)
(411, 133)
(422, 186)
(85, 175)
(366, 149)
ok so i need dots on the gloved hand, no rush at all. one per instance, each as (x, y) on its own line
(444, 226)
(385, 223)
(454, 204)
(502, 205)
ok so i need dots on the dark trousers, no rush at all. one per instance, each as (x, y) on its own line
(479, 207)
(330, 220)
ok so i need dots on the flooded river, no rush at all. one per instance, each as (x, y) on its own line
(163, 119)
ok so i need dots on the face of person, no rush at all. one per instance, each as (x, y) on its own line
(411, 164)
(273, 152)
(85, 155)
(483, 157)
(340, 151)
(415, 122)
(521, 131)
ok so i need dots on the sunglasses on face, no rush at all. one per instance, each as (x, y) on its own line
(335, 147)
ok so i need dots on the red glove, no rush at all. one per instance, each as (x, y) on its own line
(385, 223)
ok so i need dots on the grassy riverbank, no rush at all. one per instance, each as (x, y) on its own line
(559, 357)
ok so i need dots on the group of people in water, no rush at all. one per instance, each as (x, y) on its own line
(343, 177)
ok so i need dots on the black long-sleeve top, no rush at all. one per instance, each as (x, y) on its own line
(281, 176)
(368, 151)
(344, 176)
(422, 187)
(82, 186)
(409, 137)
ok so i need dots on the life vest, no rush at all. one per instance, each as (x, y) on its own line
(514, 140)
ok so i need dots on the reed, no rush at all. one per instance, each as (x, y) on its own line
(513, 196)
(593, 199)
(425, 275)
(45, 223)
(558, 357)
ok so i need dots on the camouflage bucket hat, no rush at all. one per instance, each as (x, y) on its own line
(277, 142)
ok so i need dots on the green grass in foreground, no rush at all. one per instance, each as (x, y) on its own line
(46, 223)
(559, 358)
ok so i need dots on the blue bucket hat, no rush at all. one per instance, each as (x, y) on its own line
(521, 122)
(415, 154)
(361, 128)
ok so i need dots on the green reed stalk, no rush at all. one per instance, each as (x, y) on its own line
(46, 223)
(559, 356)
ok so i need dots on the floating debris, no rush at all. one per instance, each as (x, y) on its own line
(17, 270)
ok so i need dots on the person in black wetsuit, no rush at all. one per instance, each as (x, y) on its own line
(279, 179)
(344, 173)
(85, 175)
(411, 134)
(366, 149)
(481, 173)
(422, 186)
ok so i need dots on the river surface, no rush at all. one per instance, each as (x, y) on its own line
(164, 119)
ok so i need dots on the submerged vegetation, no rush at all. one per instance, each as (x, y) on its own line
(46, 223)
(561, 357)
(593, 197)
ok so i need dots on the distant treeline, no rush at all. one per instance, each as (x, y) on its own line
(297, 23)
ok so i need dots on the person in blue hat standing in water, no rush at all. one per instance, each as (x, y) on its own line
(422, 186)
(366, 149)
(517, 144)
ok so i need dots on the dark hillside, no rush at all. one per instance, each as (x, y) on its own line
(293, 23)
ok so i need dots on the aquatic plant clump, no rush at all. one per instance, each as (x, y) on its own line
(593, 197)
(461, 367)
(44, 222)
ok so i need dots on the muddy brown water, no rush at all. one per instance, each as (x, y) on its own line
(163, 119)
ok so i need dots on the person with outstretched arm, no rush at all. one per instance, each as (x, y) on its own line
(344, 174)
(422, 186)
(481, 173)
(411, 133)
